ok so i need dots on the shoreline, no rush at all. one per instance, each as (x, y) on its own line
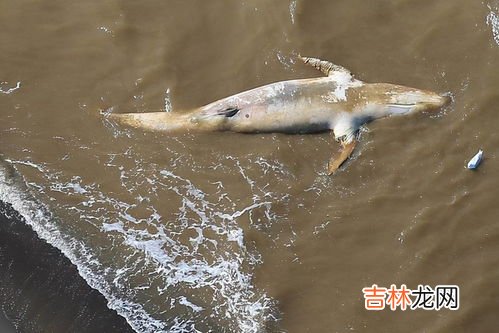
(40, 287)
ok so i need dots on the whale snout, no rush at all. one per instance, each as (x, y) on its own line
(404, 100)
(434, 102)
(444, 100)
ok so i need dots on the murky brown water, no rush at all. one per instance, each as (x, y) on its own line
(239, 233)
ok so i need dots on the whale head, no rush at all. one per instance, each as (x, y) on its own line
(389, 99)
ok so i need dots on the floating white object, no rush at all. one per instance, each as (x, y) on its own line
(475, 161)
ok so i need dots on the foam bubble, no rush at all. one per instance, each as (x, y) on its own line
(493, 22)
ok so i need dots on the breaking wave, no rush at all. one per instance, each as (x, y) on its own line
(188, 270)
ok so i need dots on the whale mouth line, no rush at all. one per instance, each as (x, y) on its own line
(400, 109)
(396, 105)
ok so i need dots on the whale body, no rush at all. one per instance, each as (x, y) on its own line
(337, 102)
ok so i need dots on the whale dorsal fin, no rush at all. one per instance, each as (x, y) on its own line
(325, 67)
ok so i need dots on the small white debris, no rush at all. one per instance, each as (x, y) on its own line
(475, 161)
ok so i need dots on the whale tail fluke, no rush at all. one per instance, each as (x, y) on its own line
(154, 121)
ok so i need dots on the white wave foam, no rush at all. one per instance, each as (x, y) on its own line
(292, 10)
(168, 101)
(9, 90)
(194, 269)
(493, 22)
(38, 217)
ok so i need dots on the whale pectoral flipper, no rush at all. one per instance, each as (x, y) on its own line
(346, 152)
(324, 66)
